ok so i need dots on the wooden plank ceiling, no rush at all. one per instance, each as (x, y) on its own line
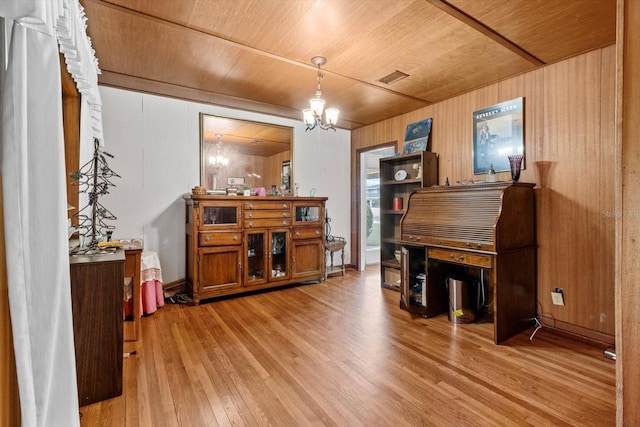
(255, 54)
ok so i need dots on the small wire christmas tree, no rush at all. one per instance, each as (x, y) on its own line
(94, 179)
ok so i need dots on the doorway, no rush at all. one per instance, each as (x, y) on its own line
(369, 215)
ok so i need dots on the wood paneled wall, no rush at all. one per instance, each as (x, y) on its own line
(628, 222)
(274, 169)
(71, 102)
(569, 144)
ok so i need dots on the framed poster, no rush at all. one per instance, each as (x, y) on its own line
(498, 132)
(417, 137)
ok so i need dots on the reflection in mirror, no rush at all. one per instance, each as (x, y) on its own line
(244, 154)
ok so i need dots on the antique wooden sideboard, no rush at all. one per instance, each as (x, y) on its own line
(237, 244)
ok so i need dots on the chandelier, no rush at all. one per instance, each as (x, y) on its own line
(217, 161)
(313, 115)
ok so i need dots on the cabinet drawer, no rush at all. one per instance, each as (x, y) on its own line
(266, 205)
(217, 238)
(261, 214)
(307, 232)
(262, 223)
(460, 257)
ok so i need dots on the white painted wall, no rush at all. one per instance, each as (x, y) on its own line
(155, 142)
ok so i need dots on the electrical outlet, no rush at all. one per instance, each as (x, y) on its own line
(557, 296)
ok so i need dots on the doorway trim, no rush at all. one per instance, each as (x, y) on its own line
(356, 253)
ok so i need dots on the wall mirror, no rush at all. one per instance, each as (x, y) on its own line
(240, 153)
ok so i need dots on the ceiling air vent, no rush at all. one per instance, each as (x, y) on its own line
(393, 77)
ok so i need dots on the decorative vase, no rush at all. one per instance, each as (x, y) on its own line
(515, 162)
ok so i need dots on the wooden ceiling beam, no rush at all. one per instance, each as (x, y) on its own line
(480, 27)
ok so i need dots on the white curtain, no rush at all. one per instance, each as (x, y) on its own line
(34, 192)
(34, 197)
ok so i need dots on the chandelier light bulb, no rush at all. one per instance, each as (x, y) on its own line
(218, 161)
(309, 118)
(331, 116)
(317, 106)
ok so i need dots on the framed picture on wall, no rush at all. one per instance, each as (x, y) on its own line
(498, 132)
(417, 137)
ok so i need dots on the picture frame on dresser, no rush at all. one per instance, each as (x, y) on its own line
(235, 181)
(498, 132)
(417, 137)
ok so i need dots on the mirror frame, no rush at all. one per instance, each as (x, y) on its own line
(254, 131)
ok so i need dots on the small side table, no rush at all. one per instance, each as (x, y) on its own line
(333, 246)
(151, 292)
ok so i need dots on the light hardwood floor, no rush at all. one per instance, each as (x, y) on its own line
(342, 353)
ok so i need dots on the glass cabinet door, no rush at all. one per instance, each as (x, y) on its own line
(308, 213)
(279, 255)
(256, 258)
(219, 215)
